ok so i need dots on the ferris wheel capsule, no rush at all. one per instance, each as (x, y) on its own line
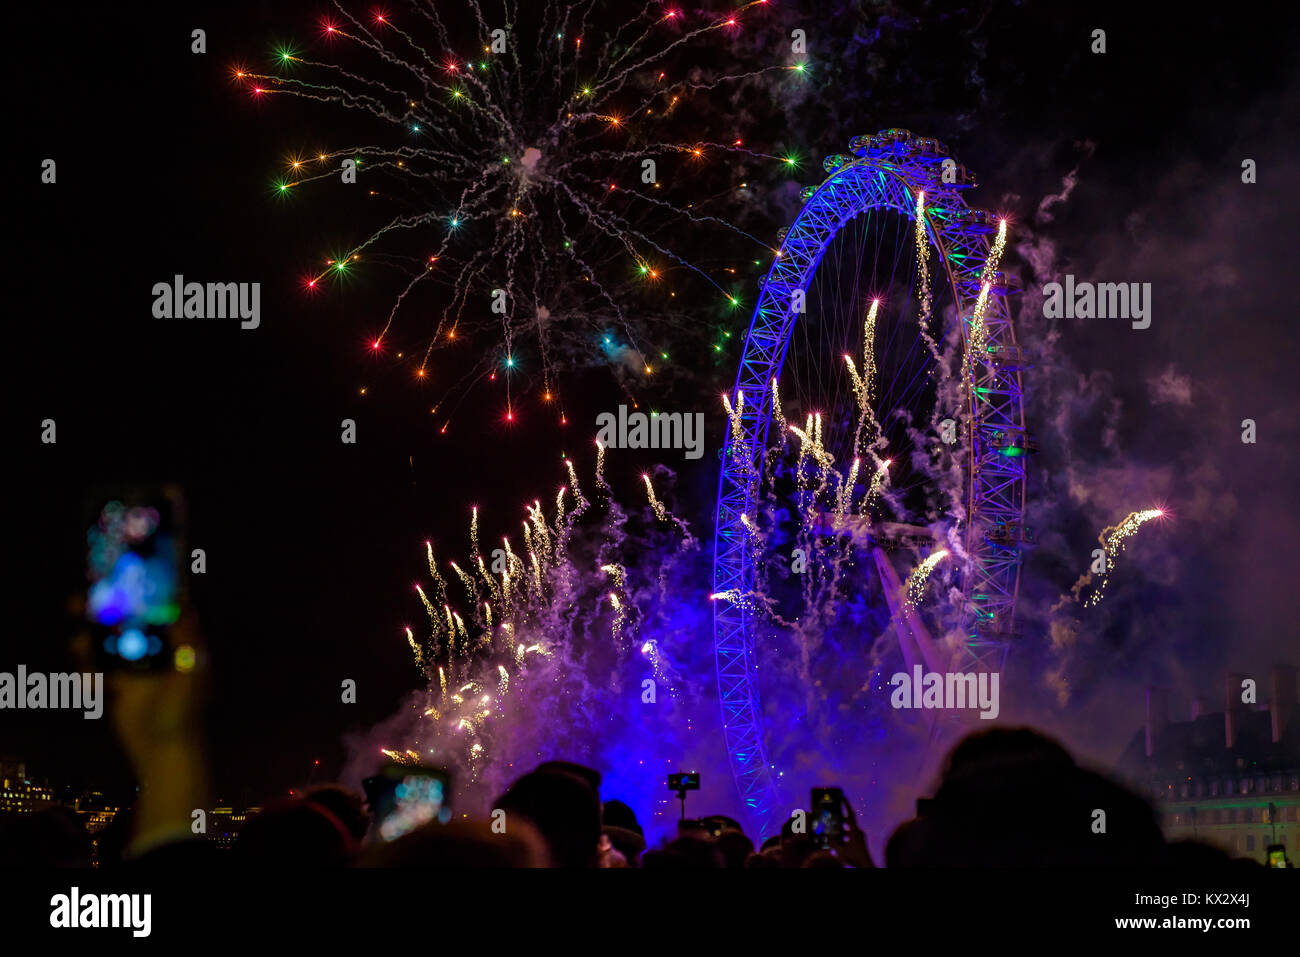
(836, 161)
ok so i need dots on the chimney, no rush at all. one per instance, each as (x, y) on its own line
(1282, 680)
(1157, 716)
(1233, 709)
(1200, 707)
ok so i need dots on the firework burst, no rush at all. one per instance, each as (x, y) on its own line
(537, 177)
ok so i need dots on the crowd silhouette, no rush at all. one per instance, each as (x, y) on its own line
(1006, 798)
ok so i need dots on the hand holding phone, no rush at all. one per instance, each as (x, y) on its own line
(835, 827)
(827, 825)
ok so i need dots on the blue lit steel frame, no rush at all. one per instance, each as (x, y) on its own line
(885, 172)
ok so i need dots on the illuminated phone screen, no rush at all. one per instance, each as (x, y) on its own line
(131, 563)
(403, 802)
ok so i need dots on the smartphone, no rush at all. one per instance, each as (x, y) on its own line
(827, 817)
(136, 590)
(402, 797)
(685, 781)
(1277, 855)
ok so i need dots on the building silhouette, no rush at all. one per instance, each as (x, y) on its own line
(1228, 778)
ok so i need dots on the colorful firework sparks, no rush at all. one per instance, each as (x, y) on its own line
(536, 181)
(920, 575)
(1113, 540)
(521, 609)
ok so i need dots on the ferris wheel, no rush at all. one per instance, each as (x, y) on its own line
(882, 339)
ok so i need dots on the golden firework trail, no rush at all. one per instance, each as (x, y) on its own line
(869, 349)
(428, 605)
(801, 477)
(1113, 540)
(542, 531)
(660, 512)
(619, 576)
(464, 579)
(537, 573)
(651, 650)
(415, 647)
(810, 437)
(923, 261)
(995, 254)
(920, 575)
(750, 601)
(616, 572)
(482, 651)
(864, 383)
(979, 332)
(877, 481)
(580, 502)
(733, 417)
(777, 414)
(488, 580)
(844, 496)
(600, 471)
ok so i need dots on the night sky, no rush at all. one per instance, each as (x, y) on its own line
(164, 167)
